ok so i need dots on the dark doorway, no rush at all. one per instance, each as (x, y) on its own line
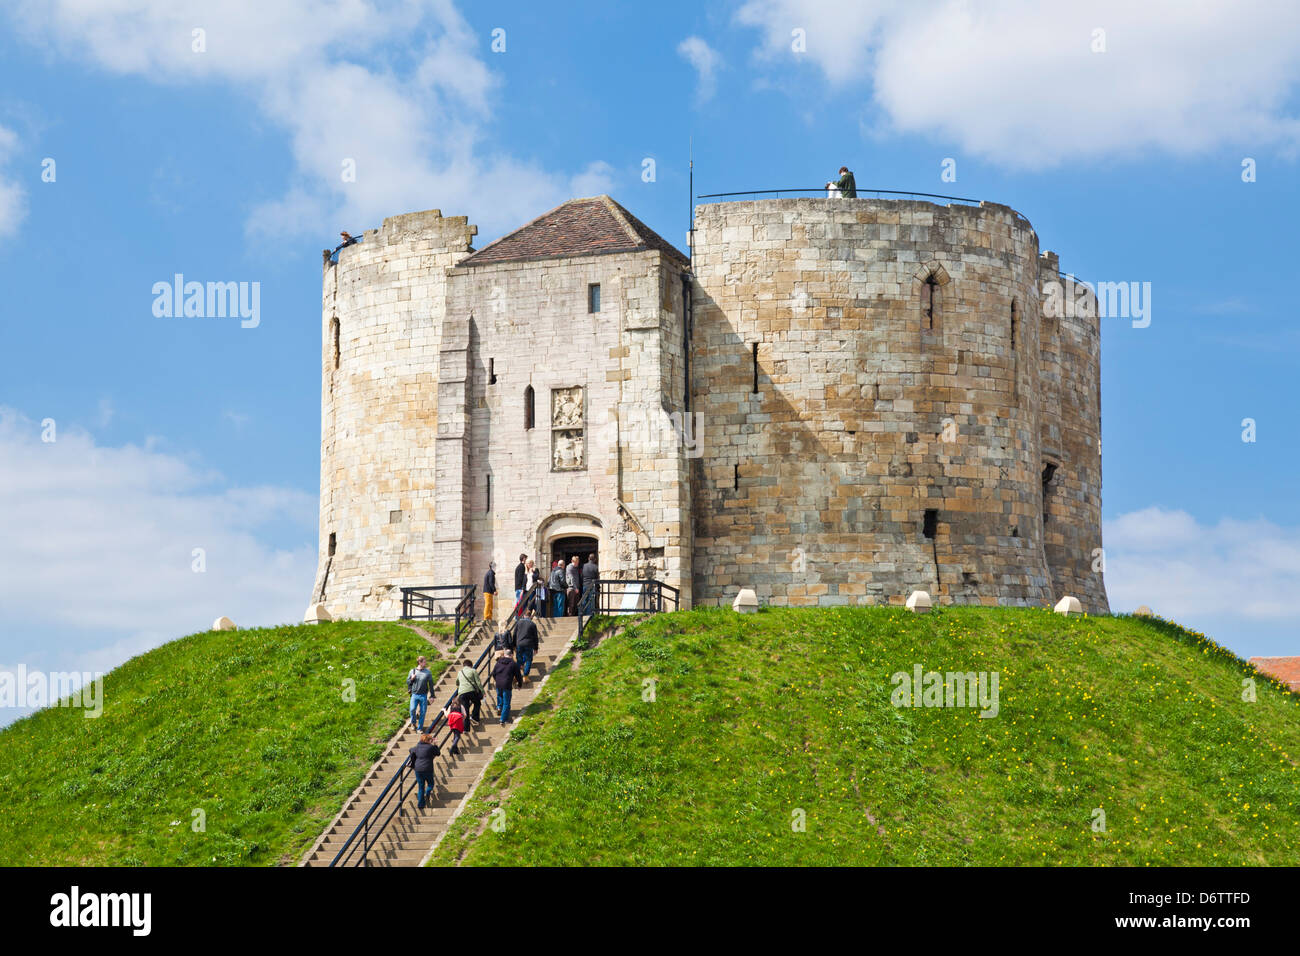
(563, 549)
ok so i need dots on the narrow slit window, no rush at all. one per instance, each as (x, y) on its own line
(334, 336)
(333, 543)
(736, 479)
(593, 297)
(1049, 471)
(487, 502)
(930, 300)
(530, 408)
(930, 527)
(492, 371)
(755, 368)
(1013, 326)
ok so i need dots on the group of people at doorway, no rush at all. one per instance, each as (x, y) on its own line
(512, 662)
(566, 590)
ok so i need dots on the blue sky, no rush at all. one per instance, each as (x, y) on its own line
(224, 165)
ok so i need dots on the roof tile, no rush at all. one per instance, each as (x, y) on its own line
(579, 227)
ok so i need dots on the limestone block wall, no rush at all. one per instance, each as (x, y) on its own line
(379, 410)
(868, 412)
(1070, 370)
(527, 324)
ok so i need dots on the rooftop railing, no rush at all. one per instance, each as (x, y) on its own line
(862, 193)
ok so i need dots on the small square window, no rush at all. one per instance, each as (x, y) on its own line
(395, 517)
(593, 297)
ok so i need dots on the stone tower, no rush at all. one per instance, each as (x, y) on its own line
(885, 409)
(838, 402)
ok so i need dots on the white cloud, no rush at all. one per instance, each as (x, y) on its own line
(398, 88)
(1187, 571)
(13, 198)
(706, 61)
(595, 180)
(1017, 82)
(98, 555)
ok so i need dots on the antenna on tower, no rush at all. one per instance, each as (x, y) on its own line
(690, 233)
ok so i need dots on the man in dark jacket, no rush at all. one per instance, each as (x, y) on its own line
(521, 579)
(490, 592)
(422, 755)
(573, 574)
(419, 682)
(558, 588)
(526, 641)
(590, 585)
(506, 675)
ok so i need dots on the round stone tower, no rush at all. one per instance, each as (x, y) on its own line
(868, 380)
(381, 336)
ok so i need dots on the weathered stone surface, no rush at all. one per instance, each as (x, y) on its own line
(223, 624)
(746, 601)
(870, 410)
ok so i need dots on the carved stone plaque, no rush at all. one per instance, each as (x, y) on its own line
(566, 407)
(568, 431)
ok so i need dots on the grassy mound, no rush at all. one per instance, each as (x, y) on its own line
(221, 748)
(1117, 740)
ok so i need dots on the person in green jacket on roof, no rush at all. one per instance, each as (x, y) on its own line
(846, 184)
(470, 687)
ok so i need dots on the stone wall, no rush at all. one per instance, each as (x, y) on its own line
(594, 377)
(814, 490)
(905, 364)
(1070, 373)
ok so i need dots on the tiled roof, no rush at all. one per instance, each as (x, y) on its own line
(580, 227)
(1285, 669)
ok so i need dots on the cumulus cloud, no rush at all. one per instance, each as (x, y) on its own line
(695, 51)
(396, 91)
(99, 549)
(1019, 82)
(1247, 571)
(13, 198)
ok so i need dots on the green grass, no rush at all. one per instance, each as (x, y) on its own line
(250, 727)
(759, 717)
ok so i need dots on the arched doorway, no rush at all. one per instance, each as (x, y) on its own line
(566, 548)
(560, 537)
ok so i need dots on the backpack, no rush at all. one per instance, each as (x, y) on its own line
(504, 641)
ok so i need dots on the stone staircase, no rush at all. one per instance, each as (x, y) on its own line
(412, 832)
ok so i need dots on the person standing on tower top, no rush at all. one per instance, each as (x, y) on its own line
(846, 184)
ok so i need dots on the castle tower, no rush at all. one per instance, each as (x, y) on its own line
(477, 406)
(381, 338)
(838, 402)
(869, 377)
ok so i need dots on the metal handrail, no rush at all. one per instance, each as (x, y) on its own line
(822, 189)
(652, 599)
(426, 600)
(400, 777)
